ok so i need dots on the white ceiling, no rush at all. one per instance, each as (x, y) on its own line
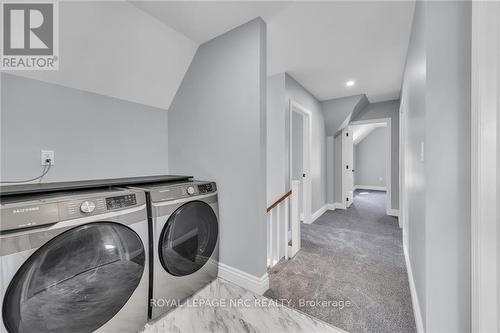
(203, 20)
(320, 44)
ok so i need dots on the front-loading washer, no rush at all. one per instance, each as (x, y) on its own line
(184, 253)
(74, 262)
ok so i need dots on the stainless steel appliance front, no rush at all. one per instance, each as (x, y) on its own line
(71, 263)
(185, 232)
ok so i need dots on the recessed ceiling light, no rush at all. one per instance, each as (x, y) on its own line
(350, 83)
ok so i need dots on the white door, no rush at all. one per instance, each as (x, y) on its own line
(347, 165)
(298, 156)
(306, 177)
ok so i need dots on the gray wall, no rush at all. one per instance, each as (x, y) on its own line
(337, 110)
(299, 94)
(277, 162)
(498, 203)
(447, 165)
(389, 109)
(93, 136)
(217, 130)
(413, 104)
(435, 98)
(370, 159)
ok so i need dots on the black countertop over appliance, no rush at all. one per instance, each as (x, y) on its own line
(86, 184)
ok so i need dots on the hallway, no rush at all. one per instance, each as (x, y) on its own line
(355, 256)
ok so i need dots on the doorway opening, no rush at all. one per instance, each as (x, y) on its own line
(299, 157)
(366, 158)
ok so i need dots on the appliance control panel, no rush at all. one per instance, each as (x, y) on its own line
(98, 205)
(87, 206)
(50, 209)
(78, 208)
(121, 201)
(206, 188)
(182, 191)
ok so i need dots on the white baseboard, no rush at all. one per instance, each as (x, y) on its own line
(367, 187)
(322, 210)
(334, 206)
(258, 285)
(392, 212)
(338, 205)
(318, 213)
(414, 297)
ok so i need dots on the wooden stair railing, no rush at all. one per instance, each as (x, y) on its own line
(281, 199)
(283, 217)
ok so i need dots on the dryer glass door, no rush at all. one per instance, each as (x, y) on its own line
(188, 239)
(77, 281)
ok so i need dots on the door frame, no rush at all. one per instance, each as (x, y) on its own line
(485, 159)
(388, 159)
(403, 162)
(306, 160)
(344, 202)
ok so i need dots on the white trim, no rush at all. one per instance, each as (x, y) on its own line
(258, 285)
(338, 205)
(485, 103)
(413, 291)
(403, 166)
(318, 213)
(347, 162)
(388, 163)
(328, 206)
(307, 146)
(393, 212)
(335, 205)
(369, 188)
(331, 206)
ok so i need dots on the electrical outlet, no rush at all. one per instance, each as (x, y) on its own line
(47, 155)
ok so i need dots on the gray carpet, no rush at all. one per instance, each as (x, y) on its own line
(353, 255)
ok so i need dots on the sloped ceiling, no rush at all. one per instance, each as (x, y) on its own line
(204, 20)
(140, 51)
(360, 132)
(321, 44)
(115, 49)
(338, 112)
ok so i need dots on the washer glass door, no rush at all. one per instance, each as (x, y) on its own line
(188, 239)
(77, 281)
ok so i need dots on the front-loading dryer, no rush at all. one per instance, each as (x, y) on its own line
(74, 262)
(184, 228)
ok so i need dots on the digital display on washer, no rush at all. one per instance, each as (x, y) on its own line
(206, 188)
(121, 201)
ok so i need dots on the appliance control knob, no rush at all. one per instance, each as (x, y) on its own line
(190, 190)
(87, 207)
